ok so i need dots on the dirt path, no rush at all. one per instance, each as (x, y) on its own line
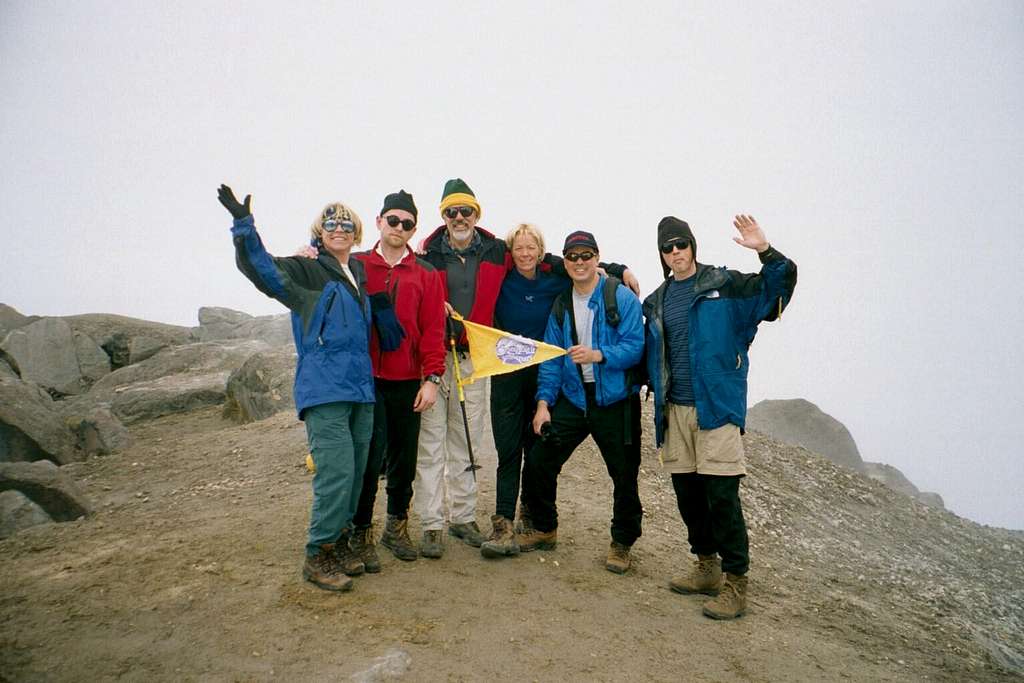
(190, 570)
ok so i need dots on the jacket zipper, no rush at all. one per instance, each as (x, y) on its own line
(323, 323)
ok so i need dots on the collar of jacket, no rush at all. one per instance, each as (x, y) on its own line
(328, 261)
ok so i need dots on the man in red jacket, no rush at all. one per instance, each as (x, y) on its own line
(408, 356)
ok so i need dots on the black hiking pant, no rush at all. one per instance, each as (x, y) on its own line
(611, 427)
(396, 430)
(513, 402)
(711, 510)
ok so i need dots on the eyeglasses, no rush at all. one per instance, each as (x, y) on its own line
(453, 211)
(407, 223)
(575, 256)
(332, 224)
(681, 242)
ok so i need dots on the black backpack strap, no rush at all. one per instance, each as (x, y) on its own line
(611, 306)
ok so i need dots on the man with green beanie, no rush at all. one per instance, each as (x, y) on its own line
(700, 324)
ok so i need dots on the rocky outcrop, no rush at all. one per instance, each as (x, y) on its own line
(896, 480)
(10, 319)
(98, 432)
(31, 426)
(47, 486)
(262, 386)
(48, 352)
(801, 423)
(17, 512)
(129, 340)
(174, 380)
(225, 323)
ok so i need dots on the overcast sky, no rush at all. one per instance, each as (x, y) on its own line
(879, 144)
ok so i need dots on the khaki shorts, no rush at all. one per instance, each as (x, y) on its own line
(688, 448)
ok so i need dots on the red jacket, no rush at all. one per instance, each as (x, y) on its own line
(417, 294)
(495, 261)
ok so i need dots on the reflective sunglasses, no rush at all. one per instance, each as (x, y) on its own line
(453, 211)
(332, 224)
(575, 256)
(407, 224)
(681, 242)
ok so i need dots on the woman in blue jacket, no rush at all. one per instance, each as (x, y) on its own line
(333, 378)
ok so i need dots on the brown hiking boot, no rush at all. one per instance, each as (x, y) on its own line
(502, 541)
(731, 601)
(322, 571)
(469, 532)
(618, 558)
(364, 548)
(432, 545)
(396, 539)
(347, 560)
(705, 577)
(524, 524)
(537, 540)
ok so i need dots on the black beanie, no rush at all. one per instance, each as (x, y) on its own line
(670, 228)
(399, 200)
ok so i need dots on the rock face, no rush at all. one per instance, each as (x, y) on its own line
(51, 354)
(98, 432)
(128, 340)
(47, 486)
(896, 480)
(174, 380)
(801, 423)
(224, 323)
(262, 386)
(10, 319)
(17, 512)
(31, 426)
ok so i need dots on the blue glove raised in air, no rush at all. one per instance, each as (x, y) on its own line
(389, 330)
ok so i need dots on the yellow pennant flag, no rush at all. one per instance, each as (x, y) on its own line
(494, 352)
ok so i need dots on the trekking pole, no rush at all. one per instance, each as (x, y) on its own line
(473, 467)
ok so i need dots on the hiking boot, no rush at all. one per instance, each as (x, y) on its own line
(502, 541)
(731, 601)
(347, 560)
(534, 539)
(705, 577)
(322, 571)
(396, 539)
(469, 533)
(364, 548)
(432, 545)
(618, 558)
(524, 523)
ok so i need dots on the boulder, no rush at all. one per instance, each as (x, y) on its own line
(98, 432)
(128, 340)
(225, 323)
(10, 319)
(17, 512)
(49, 353)
(47, 486)
(801, 423)
(896, 480)
(31, 427)
(262, 386)
(175, 380)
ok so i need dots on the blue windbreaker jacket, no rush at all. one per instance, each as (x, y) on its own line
(330, 318)
(726, 310)
(622, 347)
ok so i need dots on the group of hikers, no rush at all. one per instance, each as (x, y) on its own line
(379, 342)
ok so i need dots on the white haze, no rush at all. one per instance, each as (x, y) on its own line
(879, 144)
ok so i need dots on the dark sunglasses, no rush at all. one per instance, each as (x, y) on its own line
(407, 224)
(575, 256)
(453, 211)
(332, 224)
(681, 242)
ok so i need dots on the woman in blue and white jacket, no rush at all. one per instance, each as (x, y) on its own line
(334, 392)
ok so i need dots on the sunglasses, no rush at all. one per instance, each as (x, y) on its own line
(332, 224)
(682, 243)
(453, 211)
(575, 256)
(407, 224)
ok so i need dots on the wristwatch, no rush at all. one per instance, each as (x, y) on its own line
(435, 379)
